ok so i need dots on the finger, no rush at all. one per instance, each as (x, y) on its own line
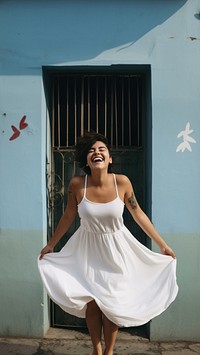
(42, 253)
(172, 255)
(41, 256)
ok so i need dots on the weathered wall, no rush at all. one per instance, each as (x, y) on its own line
(36, 33)
(23, 205)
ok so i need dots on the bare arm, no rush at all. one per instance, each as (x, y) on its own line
(64, 223)
(143, 221)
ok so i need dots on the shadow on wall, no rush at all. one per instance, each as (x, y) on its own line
(49, 32)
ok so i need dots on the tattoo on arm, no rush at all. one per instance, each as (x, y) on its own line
(132, 201)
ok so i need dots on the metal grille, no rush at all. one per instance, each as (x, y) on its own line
(108, 104)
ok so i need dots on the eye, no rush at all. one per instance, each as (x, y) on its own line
(102, 149)
(91, 150)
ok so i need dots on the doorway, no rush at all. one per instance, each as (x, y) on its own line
(114, 101)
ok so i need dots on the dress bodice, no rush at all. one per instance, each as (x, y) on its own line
(101, 217)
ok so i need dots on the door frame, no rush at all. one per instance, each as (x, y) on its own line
(145, 71)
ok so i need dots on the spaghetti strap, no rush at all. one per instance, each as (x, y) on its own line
(85, 186)
(116, 185)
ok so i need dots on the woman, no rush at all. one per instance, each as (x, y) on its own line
(103, 273)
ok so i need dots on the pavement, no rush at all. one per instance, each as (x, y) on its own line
(70, 342)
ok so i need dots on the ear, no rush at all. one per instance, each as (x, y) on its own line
(110, 160)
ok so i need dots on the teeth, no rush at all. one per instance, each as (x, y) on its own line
(97, 159)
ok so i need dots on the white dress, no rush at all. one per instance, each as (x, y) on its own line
(103, 261)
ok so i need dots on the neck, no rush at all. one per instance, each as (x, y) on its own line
(98, 178)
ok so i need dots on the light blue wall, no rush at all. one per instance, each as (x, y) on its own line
(37, 33)
(23, 206)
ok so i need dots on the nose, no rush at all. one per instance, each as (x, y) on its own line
(96, 151)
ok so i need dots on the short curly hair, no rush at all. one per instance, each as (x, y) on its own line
(84, 143)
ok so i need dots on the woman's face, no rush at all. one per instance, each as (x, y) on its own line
(98, 156)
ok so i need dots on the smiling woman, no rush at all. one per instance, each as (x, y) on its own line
(98, 156)
(85, 148)
(103, 273)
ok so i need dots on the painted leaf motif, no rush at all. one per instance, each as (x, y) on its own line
(180, 134)
(16, 133)
(188, 146)
(180, 147)
(22, 123)
(186, 139)
(187, 128)
(190, 139)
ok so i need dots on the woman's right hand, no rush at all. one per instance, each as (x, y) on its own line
(46, 250)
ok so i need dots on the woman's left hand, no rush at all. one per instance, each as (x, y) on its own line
(168, 251)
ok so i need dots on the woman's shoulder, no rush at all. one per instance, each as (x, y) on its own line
(77, 182)
(122, 179)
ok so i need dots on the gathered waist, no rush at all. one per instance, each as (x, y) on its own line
(99, 232)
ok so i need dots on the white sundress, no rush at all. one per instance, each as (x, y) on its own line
(103, 261)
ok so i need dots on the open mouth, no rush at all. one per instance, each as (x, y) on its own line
(97, 160)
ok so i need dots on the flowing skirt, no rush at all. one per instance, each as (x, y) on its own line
(130, 283)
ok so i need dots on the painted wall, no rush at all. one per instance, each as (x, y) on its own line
(165, 35)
